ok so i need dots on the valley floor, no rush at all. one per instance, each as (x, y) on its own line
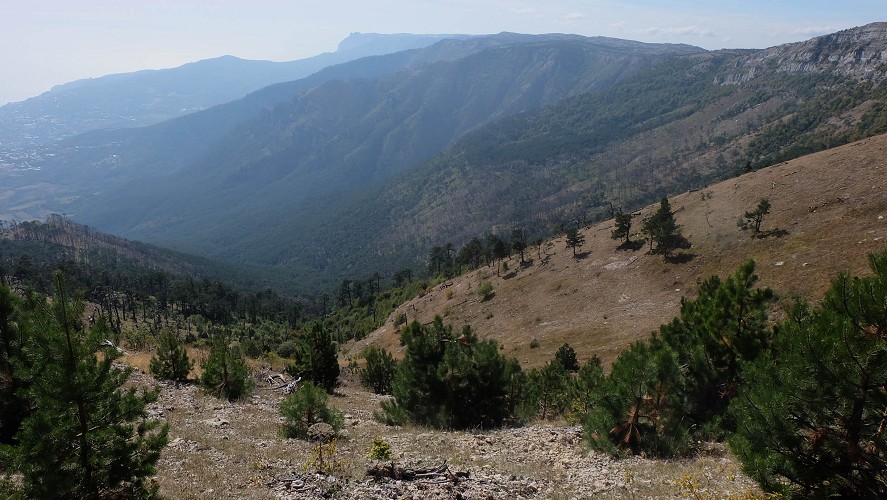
(219, 449)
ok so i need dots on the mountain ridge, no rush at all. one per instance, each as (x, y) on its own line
(415, 91)
(675, 125)
(145, 97)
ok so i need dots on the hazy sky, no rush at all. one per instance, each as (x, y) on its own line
(49, 42)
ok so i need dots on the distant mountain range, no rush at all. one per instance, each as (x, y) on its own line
(151, 96)
(364, 166)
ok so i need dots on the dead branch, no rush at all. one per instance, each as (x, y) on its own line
(393, 470)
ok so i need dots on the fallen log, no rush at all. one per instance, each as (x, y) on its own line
(393, 470)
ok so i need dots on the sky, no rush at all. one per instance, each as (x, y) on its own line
(50, 42)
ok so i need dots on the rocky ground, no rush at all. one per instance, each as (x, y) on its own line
(219, 449)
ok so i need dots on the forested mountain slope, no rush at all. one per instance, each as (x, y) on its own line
(210, 181)
(74, 174)
(365, 166)
(688, 122)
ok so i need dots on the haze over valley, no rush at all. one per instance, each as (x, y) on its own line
(509, 264)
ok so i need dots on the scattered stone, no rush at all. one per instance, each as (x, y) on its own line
(217, 422)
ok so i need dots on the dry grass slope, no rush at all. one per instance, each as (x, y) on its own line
(829, 210)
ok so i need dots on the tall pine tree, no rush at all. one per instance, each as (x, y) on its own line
(13, 337)
(664, 231)
(86, 435)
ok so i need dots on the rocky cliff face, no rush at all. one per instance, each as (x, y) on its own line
(859, 53)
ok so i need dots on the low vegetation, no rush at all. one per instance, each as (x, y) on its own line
(307, 406)
(171, 362)
(225, 373)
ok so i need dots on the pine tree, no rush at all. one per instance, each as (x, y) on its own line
(305, 407)
(519, 242)
(14, 334)
(86, 436)
(171, 362)
(317, 358)
(638, 406)
(584, 387)
(451, 382)
(378, 373)
(811, 420)
(549, 388)
(225, 374)
(714, 336)
(664, 231)
(575, 239)
(622, 230)
(754, 218)
(567, 357)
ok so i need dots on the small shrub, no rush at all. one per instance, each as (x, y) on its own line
(449, 294)
(325, 460)
(351, 366)
(380, 450)
(390, 413)
(379, 371)
(287, 349)
(534, 344)
(225, 373)
(305, 407)
(170, 362)
(138, 338)
(400, 319)
(485, 290)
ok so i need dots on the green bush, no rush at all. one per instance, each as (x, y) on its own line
(637, 407)
(450, 382)
(380, 449)
(287, 349)
(225, 373)
(317, 358)
(170, 362)
(485, 290)
(583, 390)
(567, 357)
(378, 374)
(547, 389)
(307, 406)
